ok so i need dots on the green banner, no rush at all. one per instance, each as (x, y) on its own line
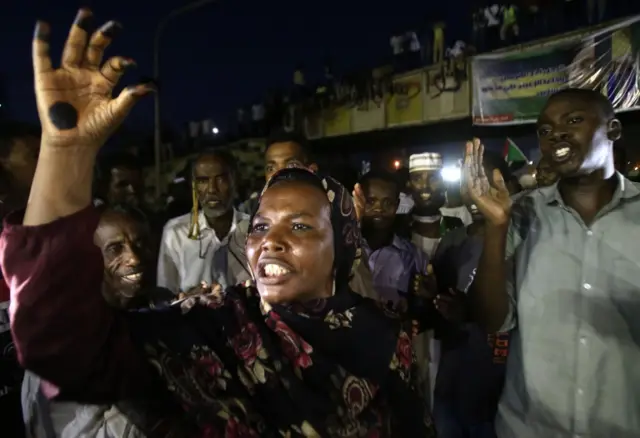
(512, 87)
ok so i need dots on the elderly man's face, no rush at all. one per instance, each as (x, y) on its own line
(126, 250)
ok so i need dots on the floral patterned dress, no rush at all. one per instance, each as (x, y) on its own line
(252, 370)
(221, 365)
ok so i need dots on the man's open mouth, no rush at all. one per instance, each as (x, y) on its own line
(133, 278)
(561, 152)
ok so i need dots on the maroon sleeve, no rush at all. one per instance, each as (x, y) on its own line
(62, 327)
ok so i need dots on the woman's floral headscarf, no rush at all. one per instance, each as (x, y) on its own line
(346, 229)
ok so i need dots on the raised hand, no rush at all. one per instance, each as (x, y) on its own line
(359, 201)
(491, 198)
(74, 101)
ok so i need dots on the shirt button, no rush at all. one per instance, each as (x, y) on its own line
(580, 392)
(587, 286)
(589, 233)
(583, 340)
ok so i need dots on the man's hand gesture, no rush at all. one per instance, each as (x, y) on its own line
(490, 196)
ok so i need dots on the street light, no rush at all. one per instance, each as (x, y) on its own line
(157, 140)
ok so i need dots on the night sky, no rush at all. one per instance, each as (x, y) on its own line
(222, 55)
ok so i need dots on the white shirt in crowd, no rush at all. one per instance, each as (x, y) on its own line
(426, 347)
(414, 43)
(461, 213)
(428, 245)
(406, 205)
(46, 418)
(257, 112)
(397, 43)
(492, 15)
(184, 263)
(457, 49)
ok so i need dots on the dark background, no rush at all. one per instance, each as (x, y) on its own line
(220, 56)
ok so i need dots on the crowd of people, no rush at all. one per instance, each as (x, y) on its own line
(494, 25)
(315, 309)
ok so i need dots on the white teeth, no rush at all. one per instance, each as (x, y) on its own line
(273, 270)
(133, 277)
(562, 152)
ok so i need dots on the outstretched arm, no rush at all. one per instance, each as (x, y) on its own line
(62, 327)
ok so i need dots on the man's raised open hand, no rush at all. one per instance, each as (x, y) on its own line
(74, 101)
(491, 198)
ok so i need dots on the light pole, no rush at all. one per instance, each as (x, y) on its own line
(157, 138)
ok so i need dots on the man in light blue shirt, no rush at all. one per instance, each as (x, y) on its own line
(394, 261)
(560, 269)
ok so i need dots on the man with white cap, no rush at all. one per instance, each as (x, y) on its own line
(428, 225)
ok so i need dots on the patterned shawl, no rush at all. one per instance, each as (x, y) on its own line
(335, 367)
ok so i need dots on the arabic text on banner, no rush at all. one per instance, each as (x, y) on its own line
(404, 106)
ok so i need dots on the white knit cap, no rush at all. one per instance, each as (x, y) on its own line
(426, 161)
